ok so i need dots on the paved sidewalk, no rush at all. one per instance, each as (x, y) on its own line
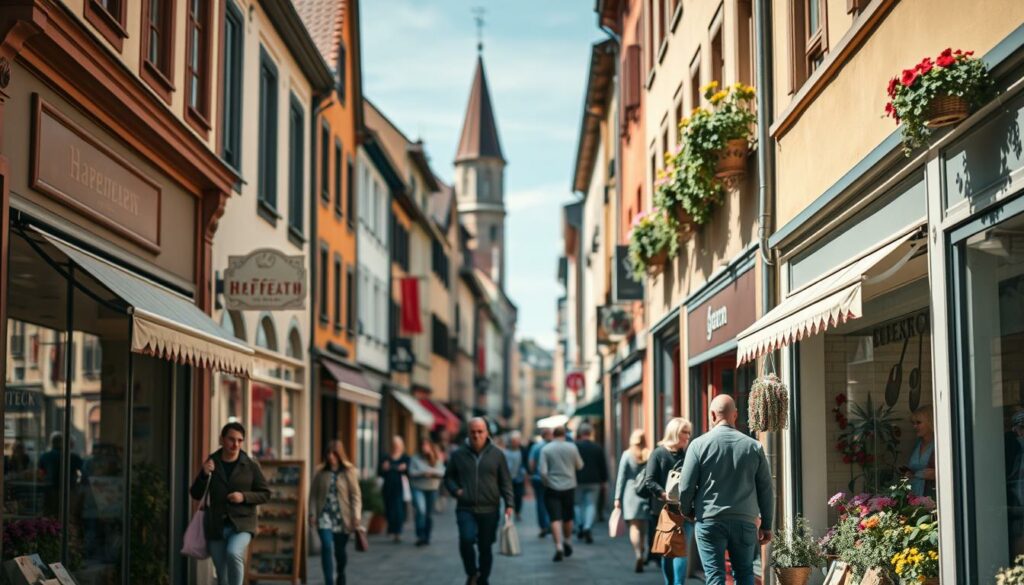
(606, 562)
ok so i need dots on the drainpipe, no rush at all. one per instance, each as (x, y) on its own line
(766, 196)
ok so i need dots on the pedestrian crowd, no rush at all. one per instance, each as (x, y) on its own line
(713, 492)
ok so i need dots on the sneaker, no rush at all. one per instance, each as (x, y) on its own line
(558, 557)
(640, 565)
(568, 549)
(588, 537)
(421, 542)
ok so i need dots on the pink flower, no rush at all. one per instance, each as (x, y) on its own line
(839, 497)
(921, 501)
(864, 511)
(881, 503)
(861, 498)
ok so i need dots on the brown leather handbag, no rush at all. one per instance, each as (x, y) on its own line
(669, 534)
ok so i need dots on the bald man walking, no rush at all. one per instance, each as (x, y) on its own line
(728, 486)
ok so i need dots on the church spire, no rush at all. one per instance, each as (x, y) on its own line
(479, 130)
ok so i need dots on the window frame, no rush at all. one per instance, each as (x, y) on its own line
(325, 162)
(266, 184)
(351, 187)
(337, 281)
(323, 284)
(110, 25)
(233, 71)
(159, 79)
(695, 81)
(806, 47)
(339, 183)
(296, 169)
(350, 300)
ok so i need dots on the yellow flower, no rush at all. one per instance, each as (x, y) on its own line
(718, 97)
(907, 530)
(933, 555)
(924, 526)
(709, 87)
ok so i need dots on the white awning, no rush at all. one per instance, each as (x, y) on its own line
(420, 414)
(833, 300)
(165, 325)
(555, 420)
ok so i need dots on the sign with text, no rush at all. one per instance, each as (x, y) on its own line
(624, 288)
(613, 323)
(72, 166)
(265, 279)
(722, 316)
(575, 381)
(402, 357)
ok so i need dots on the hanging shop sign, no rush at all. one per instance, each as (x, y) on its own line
(402, 357)
(265, 280)
(613, 323)
(722, 316)
(624, 288)
(575, 381)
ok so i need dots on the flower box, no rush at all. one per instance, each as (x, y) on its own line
(946, 110)
(732, 160)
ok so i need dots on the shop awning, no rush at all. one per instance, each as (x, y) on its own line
(420, 415)
(352, 385)
(831, 301)
(165, 325)
(555, 420)
(593, 409)
(442, 416)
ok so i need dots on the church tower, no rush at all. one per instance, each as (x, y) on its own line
(480, 180)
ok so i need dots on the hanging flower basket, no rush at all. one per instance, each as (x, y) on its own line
(656, 262)
(653, 240)
(947, 110)
(769, 404)
(732, 160)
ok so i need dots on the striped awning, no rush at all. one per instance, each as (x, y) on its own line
(165, 325)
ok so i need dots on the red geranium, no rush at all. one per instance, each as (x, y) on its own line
(924, 66)
(841, 398)
(946, 58)
(909, 77)
(892, 93)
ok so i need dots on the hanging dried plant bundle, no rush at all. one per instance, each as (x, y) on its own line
(769, 404)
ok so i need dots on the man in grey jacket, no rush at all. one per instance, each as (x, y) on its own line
(727, 483)
(477, 475)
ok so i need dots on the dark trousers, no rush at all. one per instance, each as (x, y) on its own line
(394, 506)
(518, 491)
(332, 555)
(479, 531)
(542, 512)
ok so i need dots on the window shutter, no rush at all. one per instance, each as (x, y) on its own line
(631, 97)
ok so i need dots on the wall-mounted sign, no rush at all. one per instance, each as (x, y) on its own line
(721, 316)
(72, 166)
(265, 279)
(613, 323)
(575, 381)
(402, 357)
(624, 288)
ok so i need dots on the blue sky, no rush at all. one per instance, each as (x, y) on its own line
(418, 61)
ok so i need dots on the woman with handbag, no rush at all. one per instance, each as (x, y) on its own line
(395, 471)
(663, 471)
(426, 470)
(232, 485)
(635, 510)
(335, 508)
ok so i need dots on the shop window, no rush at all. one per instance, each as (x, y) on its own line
(231, 91)
(990, 274)
(266, 416)
(108, 16)
(367, 440)
(197, 71)
(157, 49)
(267, 173)
(266, 335)
(809, 39)
(296, 168)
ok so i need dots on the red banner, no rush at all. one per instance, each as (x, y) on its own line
(410, 310)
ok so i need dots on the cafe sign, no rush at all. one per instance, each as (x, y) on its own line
(265, 280)
(721, 316)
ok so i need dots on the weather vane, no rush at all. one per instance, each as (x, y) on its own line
(478, 16)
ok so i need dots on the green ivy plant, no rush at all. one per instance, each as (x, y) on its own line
(952, 73)
(796, 547)
(652, 233)
(689, 178)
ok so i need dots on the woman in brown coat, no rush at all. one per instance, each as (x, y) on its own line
(335, 508)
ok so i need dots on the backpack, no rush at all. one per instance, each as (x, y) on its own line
(669, 535)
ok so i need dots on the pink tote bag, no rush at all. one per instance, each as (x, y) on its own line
(194, 544)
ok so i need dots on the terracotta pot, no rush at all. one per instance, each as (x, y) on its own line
(947, 110)
(931, 581)
(732, 160)
(657, 262)
(793, 575)
(377, 525)
(686, 224)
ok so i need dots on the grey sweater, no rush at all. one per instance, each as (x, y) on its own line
(726, 477)
(423, 476)
(558, 464)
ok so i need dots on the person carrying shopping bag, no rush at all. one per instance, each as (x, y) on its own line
(235, 486)
(335, 509)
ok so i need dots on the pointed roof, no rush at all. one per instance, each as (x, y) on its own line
(479, 130)
(324, 19)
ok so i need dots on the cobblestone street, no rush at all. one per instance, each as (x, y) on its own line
(606, 562)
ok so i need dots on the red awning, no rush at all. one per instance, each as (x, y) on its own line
(442, 416)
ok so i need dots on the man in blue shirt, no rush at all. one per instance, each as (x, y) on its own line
(727, 484)
(538, 484)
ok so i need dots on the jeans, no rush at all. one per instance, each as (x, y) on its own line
(715, 537)
(332, 550)
(480, 530)
(542, 512)
(586, 505)
(423, 503)
(518, 491)
(229, 556)
(674, 570)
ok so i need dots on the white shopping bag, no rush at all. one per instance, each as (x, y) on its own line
(509, 540)
(616, 525)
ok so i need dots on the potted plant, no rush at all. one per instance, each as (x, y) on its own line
(936, 93)
(869, 438)
(373, 502)
(1012, 575)
(769, 404)
(715, 143)
(652, 241)
(795, 552)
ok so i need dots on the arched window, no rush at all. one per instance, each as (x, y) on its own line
(294, 343)
(234, 323)
(266, 335)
